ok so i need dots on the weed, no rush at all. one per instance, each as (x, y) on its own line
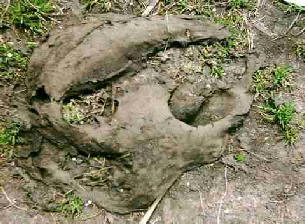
(10, 135)
(280, 75)
(217, 71)
(72, 206)
(241, 4)
(29, 15)
(291, 134)
(194, 7)
(269, 79)
(283, 115)
(72, 114)
(101, 5)
(12, 62)
(300, 49)
(99, 173)
(238, 42)
(240, 158)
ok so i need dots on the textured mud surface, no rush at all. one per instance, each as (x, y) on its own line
(152, 130)
(167, 78)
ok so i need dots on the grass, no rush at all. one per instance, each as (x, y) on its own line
(10, 134)
(72, 114)
(101, 5)
(31, 16)
(300, 49)
(13, 63)
(283, 115)
(9, 137)
(268, 82)
(241, 4)
(217, 71)
(71, 206)
(270, 79)
(240, 158)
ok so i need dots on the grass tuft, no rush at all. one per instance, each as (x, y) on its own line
(28, 15)
(282, 115)
(12, 62)
(300, 49)
(71, 206)
(101, 5)
(10, 135)
(240, 158)
(72, 114)
(270, 79)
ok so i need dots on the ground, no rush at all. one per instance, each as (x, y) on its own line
(260, 178)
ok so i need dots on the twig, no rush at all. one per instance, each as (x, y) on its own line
(153, 207)
(223, 197)
(12, 203)
(298, 34)
(151, 210)
(289, 28)
(293, 22)
(151, 5)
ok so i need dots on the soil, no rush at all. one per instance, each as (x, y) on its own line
(268, 187)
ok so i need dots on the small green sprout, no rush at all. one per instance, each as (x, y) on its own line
(72, 206)
(217, 71)
(240, 158)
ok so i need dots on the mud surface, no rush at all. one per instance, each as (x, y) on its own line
(150, 131)
(162, 115)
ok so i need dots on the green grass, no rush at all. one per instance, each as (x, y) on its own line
(217, 71)
(280, 75)
(270, 79)
(12, 62)
(10, 134)
(9, 137)
(71, 206)
(283, 115)
(238, 41)
(28, 15)
(240, 158)
(268, 82)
